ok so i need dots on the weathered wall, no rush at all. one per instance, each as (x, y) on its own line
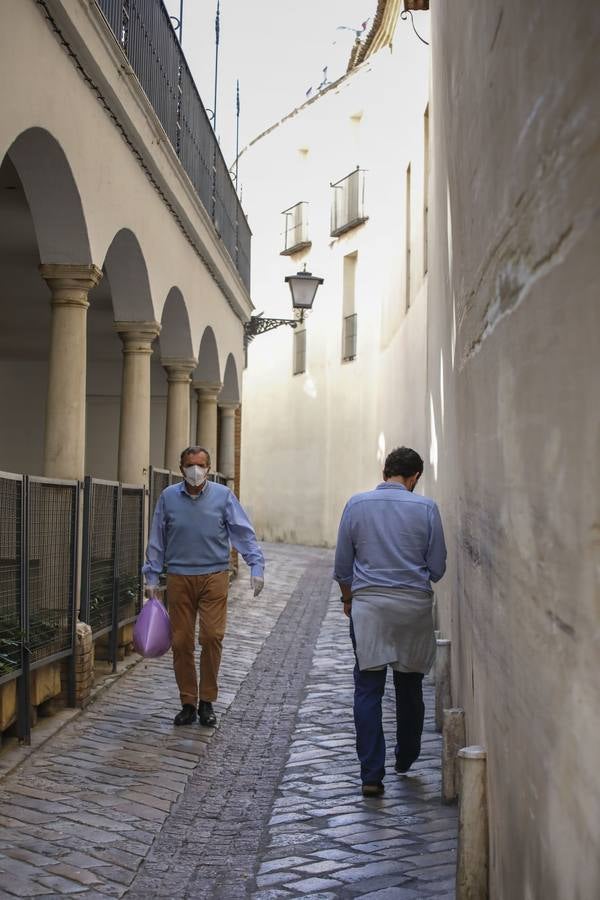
(311, 440)
(513, 329)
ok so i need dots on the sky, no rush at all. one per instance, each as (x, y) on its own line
(276, 48)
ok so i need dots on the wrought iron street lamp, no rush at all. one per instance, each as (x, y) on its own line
(303, 288)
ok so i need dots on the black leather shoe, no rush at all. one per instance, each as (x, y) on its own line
(206, 714)
(401, 766)
(373, 790)
(187, 716)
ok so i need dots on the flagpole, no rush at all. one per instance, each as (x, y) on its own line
(237, 131)
(217, 39)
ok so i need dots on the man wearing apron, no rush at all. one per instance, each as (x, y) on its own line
(390, 548)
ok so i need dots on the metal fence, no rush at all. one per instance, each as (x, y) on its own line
(112, 556)
(39, 562)
(38, 565)
(143, 29)
(11, 576)
(158, 480)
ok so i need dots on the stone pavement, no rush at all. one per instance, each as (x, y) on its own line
(267, 806)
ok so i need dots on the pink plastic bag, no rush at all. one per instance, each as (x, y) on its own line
(152, 631)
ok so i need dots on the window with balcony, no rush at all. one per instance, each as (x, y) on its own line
(295, 234)
(407, 238)
(426, 165)
(348, 203)
(349, 318)
(299, 351)
(349, 337)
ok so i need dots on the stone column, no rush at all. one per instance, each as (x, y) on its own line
(227, 442)
(206, 427)
(134, 429)
(177, 434)
(64, 440)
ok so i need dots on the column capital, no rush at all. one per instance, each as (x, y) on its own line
(178, 369)
(208, 390)
(137, 337)
(229, 407)
(70, 285)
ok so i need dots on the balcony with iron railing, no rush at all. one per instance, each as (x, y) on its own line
(348, 203)
(295, 235)
(146, 36)
(349, 337)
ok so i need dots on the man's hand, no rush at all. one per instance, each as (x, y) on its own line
(153, 590)
(347, 607)
(257, 583)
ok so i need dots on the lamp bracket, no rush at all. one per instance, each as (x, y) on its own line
(259, 325)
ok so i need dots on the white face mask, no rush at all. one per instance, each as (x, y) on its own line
(195, 475)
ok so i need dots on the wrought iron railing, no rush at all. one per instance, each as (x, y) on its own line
(295, 235)
(299, 352)
(349, 337)
(144, 31)
(348, 203)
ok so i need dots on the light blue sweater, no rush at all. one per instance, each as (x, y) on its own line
(192, 534)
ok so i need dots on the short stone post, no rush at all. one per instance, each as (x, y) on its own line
(472, 862)
(453, 739)
(443, 687)
(84, 664)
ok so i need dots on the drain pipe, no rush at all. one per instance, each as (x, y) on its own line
(443, 687)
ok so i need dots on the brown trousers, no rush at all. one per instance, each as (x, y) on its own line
(205, 595)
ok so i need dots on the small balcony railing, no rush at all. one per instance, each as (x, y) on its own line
(145, 33)
(295, 235)
(348, 203)
(349, 337)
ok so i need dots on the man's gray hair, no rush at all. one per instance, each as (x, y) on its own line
(191, 451)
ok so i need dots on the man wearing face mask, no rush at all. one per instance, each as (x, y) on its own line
(195, 523)
(390, 548)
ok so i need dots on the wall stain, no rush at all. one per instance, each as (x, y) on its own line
(498, 24)
(560, 623)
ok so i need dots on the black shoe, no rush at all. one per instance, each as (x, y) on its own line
(187, 716)
(401, 767)
(206, 714)
(373, 790)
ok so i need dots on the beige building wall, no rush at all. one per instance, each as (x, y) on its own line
(311, 440)
(94, 180)
(514, 373)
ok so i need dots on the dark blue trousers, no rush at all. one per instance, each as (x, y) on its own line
(410, 715)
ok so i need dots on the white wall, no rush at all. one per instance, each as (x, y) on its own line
(514, 322)
(310, 441)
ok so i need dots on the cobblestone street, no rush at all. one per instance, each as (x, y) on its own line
(267, 805)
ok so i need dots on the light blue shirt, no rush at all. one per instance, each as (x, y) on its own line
(390, 538)
(192, 534)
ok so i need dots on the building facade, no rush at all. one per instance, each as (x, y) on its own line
(339, 186)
